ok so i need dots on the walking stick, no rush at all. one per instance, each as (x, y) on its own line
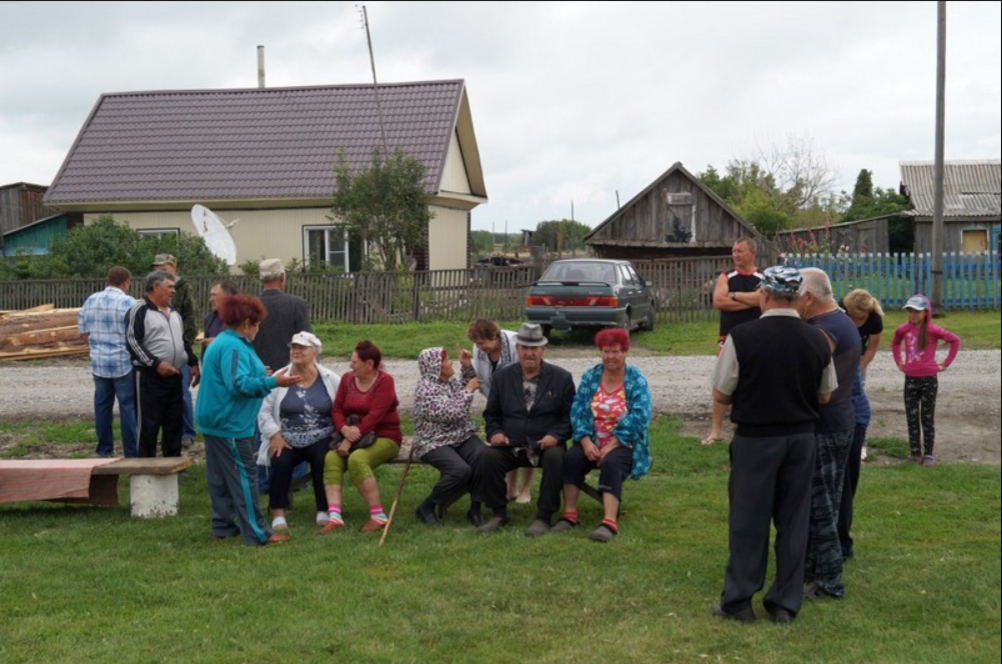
(396, 498)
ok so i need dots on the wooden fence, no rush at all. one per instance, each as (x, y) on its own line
(970, 281)
(682, 287)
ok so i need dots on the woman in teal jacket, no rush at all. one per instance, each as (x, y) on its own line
(611, 416)
(234, 382)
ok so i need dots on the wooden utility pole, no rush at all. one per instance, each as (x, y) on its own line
(937, 209)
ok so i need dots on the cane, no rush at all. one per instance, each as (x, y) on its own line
(396, 498)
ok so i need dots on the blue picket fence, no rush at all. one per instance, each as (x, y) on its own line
(970, 281)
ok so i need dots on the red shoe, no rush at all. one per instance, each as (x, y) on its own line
(372, 526)
(330, 527)
(276, 538)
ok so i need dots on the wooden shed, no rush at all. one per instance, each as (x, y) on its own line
(972, 210)
(863, 236)
(676, 215)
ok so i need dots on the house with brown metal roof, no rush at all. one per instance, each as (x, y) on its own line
(266, 156)
(972, 203)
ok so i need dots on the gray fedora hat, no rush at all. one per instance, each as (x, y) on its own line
(531, 334)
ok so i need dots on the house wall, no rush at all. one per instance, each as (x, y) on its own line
(447, 239)
(258, 234)
(454, 179)
(21, 204)
(861, 237)
(35, 239)
(279, 233)
(953, 232)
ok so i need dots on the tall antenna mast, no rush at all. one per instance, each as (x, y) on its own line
(375, 83)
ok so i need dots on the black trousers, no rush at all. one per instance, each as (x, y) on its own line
(495, 462)
(614, 469)
(282, 466)
(456, 464)
(770, 481)
(159, 407)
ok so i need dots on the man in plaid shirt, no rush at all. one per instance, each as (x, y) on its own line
(102, 323)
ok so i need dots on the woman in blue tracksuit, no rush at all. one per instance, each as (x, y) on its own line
(234, 382)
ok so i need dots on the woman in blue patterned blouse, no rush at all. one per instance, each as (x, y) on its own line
(611, 416)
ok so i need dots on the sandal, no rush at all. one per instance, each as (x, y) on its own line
(710, 440)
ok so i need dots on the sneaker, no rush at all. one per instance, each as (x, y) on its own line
(187, 441)
(563, 526)
(862, 453)
(914, 458)
(537, 528)
(928, 460)
(602, 534)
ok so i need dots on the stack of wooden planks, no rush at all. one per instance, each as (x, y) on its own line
(39, 332)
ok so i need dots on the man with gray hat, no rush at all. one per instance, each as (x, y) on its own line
(528, 418)
(184, 303)
(774, 372)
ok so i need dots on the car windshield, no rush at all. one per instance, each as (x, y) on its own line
(580, 271)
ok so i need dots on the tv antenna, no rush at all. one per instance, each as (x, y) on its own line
(215, 234)
(375, 83)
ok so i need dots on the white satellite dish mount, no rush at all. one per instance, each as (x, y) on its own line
(215, 234)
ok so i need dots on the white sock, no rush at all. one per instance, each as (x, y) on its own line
(323, 517)
(279, 523)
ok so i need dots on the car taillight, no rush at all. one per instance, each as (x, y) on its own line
(550, 301)
(538, 301)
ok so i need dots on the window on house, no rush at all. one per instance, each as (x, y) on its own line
(332, 245)
(159, 232)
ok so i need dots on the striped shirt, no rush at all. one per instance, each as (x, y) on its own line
(102, 317)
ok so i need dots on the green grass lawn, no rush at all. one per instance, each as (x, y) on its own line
(977, 329)
(80, 584)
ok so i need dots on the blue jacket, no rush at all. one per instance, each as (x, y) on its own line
(231, 389)
(632, 429)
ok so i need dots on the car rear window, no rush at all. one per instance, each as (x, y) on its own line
(580, 271)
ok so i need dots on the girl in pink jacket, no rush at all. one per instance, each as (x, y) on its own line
(921, 338)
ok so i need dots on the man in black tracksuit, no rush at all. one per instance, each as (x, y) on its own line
(155, 335)
(774, 372)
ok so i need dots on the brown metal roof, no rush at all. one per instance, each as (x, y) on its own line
(250, 143)
(970, 188)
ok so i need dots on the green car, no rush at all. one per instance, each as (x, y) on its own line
(590, 292)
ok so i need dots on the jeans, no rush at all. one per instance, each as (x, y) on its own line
(106, 390)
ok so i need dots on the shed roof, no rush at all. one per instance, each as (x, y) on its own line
(258, 143)
(970, 188)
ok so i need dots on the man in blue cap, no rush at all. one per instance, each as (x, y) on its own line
(774, 372)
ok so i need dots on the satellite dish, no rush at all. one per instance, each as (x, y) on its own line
(213, 231)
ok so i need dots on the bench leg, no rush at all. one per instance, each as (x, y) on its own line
(153, 495)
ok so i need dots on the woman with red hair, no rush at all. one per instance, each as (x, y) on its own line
(366, 402)
(234, 382)
(611, 416)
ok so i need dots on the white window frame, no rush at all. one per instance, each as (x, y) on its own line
(330, 231)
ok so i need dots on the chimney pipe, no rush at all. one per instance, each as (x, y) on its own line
(260, 66)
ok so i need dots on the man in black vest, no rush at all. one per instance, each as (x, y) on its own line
(774, 372)
(736, 298)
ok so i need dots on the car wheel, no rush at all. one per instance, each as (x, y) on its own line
(651, 317)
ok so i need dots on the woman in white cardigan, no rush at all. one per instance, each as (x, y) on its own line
(296, 424)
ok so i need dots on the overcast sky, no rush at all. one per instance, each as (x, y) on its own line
(571, 101)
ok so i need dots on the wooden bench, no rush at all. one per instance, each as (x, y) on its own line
(152, 490)
(152, 483)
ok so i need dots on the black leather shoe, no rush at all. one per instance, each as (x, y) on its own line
(494, 524)
(781, 616)
(744, 615)
(426, 512)
(475, 518)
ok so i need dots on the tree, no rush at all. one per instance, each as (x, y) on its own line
(483, 243)
(565, 234)
(89, 251)
(386, 204)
